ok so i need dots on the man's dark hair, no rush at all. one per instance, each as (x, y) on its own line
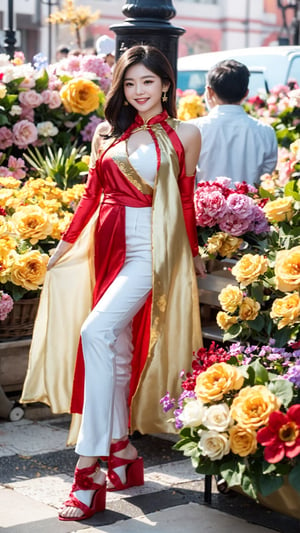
(229, 79)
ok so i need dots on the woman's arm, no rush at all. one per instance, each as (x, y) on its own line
(191, 141)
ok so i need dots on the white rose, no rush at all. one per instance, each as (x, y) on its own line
(213, 444)
(15, 110)
(217, 417)
(47, 129)
(192, 413)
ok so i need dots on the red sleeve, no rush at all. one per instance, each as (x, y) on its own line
(86, 207)
(186, 186)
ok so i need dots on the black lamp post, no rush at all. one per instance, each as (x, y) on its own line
(148, 23)
(50, 4)
(10, 38)
(295, 5)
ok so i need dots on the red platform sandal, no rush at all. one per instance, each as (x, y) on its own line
(84, 481)
(134, 468)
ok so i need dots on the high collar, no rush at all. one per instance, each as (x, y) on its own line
(139, 121)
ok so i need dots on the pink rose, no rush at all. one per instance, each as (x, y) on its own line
(30, 98)
(27, 114)
(25, 133)
(51, 98)
(6, 138)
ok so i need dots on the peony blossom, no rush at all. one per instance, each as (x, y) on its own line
(6, 305)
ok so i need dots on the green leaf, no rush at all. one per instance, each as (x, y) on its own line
(283, 389)
(268, 484)
(261, 375)
(232, 472)
(294, 478)
(42, 82)
(248, 486)
(258, 323)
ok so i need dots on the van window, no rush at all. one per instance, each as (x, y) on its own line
(192, 79)
(196, 79)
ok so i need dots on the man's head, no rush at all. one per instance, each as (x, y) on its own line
(228, 81)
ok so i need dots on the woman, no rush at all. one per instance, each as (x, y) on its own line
(145, 322)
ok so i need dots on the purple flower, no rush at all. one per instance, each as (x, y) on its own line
(293, 374)
(259, 223)
(234, 225)
(167, 402)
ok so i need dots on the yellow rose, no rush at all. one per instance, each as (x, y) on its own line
(253, 406)
(279, 209)
(248, 309)
(287, 269)
(216, 381)
(242, 441)
(230, 245)
(230, 298)
(225, 321)
(32, 223)
(80, 96)
(215, 242)
(9, 182)
(29, 270)
(249, 268)
(6, 261)
(286, 308)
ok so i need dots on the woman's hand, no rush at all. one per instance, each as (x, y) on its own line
(60, 250)
(199, 266)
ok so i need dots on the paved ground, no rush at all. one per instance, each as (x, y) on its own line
(36, 474)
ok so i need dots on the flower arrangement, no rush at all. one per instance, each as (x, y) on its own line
(239, 420)
(229, 220)
(33, 217)
(281, 109)
(265, 303)
(41, 106)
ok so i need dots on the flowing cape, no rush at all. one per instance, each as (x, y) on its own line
(166, 330)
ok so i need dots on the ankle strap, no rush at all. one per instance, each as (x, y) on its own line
(118, 446)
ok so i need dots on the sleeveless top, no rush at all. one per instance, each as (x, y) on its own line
(144, 161)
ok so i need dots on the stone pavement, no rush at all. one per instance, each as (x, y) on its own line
(36, 475)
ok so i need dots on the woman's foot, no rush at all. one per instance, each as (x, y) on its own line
(125, 468)
(87, 495)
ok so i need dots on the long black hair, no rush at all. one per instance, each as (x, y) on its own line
(121, 116)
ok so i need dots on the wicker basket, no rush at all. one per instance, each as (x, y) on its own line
(20, 321)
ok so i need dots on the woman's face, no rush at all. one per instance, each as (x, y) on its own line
(143, 90)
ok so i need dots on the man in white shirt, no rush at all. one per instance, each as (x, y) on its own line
(234, 144)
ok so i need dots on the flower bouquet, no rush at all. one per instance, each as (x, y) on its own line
(240, 420)
(33, 217)
(44, 105)
(229, 220)
(266, 302)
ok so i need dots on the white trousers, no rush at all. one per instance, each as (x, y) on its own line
(106, 342)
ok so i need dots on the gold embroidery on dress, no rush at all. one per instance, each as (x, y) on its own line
(120, 158)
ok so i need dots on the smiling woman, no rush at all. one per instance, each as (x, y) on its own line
(137, 220)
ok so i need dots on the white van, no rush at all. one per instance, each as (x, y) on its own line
(268, 65)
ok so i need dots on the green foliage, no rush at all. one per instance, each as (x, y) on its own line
(64, 165)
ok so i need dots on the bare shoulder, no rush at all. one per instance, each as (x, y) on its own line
(188, 132)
